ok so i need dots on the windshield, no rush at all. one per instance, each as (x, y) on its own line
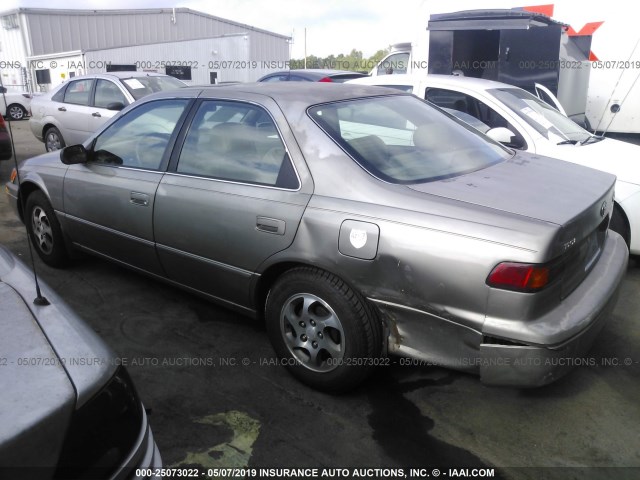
(545, 119)
(141, 86)
(402, 139)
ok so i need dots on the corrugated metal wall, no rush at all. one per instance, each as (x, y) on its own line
(12, 54)
(67, 30)
(228, 56)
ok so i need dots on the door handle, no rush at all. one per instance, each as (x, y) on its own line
(138, 198)
(96, 114)
(270, 225)
(62, 109)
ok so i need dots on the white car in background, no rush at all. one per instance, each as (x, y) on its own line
(522, 121)
(14, 105)
(69, 114)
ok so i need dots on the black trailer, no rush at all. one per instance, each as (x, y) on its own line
(513, 46)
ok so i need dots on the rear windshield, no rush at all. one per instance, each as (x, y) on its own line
(142, 86)
(402, 139)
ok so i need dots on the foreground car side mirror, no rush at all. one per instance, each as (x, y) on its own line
(73, 155)
(117, 106)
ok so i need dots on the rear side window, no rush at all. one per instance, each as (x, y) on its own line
(59, 95)
(78, 92)
(237, 142)
(401, 139)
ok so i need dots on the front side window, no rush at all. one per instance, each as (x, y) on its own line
(78, 92)
(401, 139)
(108, 93)
(474, 112)
(237, 142)
(140, 138)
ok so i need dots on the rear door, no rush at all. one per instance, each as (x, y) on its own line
(231, 199)
(109, 200)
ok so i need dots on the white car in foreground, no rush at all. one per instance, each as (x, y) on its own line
(522, 121)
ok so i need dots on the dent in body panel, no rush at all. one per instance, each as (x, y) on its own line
(411, 270)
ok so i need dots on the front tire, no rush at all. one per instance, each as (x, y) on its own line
(325, 332)
(53, 140)
(44, 230)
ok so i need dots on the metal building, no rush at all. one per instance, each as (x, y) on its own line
(40, 48)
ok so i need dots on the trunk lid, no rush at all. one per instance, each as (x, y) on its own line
(529, 185)
(576, 198)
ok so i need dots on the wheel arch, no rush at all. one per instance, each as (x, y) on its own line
(27, 187)
(617, 209)
(271, 274)
(47, 126)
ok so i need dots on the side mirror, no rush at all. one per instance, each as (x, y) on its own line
(117, 106)
(501, 134)
(73, 155)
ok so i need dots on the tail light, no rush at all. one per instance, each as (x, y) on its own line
(522, 277)
(325, 79)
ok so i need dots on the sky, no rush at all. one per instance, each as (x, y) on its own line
(337, 26)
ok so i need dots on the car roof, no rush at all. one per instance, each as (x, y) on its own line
(119, 75)
(310, 93)
(413, 78)
(315, 72)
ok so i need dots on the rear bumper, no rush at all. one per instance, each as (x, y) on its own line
(36, 128)
(518, 353)
(589, 305)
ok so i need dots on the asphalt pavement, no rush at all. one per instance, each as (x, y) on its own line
(218, 399)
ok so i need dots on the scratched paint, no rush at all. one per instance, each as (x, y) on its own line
(232, 454)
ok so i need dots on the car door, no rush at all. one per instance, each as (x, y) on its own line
(232, 198)
(106, 94)
(74, 114)
(109, 200)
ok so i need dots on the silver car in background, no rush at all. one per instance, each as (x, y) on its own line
(67, 409)
(73, 111)
(356, 221)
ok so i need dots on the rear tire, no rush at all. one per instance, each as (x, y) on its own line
(16, 112)
(53, 140)
(44, 230)
(322, 330)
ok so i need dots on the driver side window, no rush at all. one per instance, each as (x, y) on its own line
(140, 138)
(474, 112)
